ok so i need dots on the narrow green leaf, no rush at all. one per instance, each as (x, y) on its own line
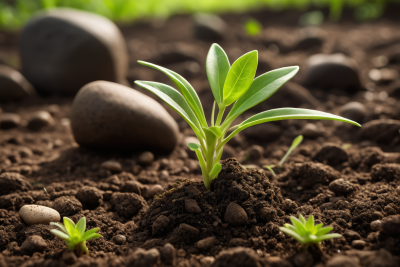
(269, 167)
(69, 225)
(328, 236)
(215, 171)
(211, 137)
(240, 77)
(217, 67)
(292, 233)
(324, 230)
(185, 88)
(263, 87)
(301, 218)
(90, 232)
(60, 234)
(91, 236)
(299, 225)
(216, 130)
(310, 222)
(59, 225)
(81, 226)
(175, 100)
(213, 114)
(193, 146)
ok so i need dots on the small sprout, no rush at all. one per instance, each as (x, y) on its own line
(252, 27)
(75, 236)
(306, 232)
(296, 142)
(44, 188)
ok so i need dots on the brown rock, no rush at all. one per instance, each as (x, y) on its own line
(33, 244)
(146, 158)
(191, 206)
(127, 204)
(13, 86)
(67, 206)
(39, 120)
(13, 182)
(160, 225)
(206, 243)
(235, 215)
(89, 196)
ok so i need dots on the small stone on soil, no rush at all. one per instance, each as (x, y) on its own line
(310, 130)
(358, 244)
(39, 120)
(376, 225)
(206, 243)
(164, 175)
(191, 206)
(146, 158)
(235, 215)
(112, 165)
(9, 121)
(168, 254)
(153, 190)
(354, 111)
(33, 244)
(160, 225)
(119, 239)
(36, 214)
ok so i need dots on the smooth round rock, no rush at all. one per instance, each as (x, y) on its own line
(9, 121)
(39, 120)
(310, 130)
(235, 215)
(323, 72)
(13, 86)
(354, 111)
(146, 158)
(107, 115)
(36, 214)
(376, 225)
(119, 239)
(112, 165)
(63, 49)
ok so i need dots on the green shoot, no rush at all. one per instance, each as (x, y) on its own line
(231, 85)
(75, 236)
(44, 188)
(306, 232)
(296, 142)
(252, 27)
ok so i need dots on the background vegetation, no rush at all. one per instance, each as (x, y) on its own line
(13, 13)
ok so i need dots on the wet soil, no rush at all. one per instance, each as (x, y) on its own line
(345, 180)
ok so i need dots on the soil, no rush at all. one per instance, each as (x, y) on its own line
(343, 180)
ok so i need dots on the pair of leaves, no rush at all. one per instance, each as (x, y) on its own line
(227, 83)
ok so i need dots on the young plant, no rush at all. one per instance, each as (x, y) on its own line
(74, 235)
(306, 232)
(233, 86)
(296, 142)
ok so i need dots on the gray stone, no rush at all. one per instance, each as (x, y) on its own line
(63, 49)
(354, 111)
(235, 215)
(36, 214)
(13, 86)
(208, 27)
(32, 244)
(39, 120)
(323, 72)
(106, 115)
(9, 121)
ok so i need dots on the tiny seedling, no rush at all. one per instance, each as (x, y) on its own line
(252, 27)
(296, 142)
(234, 87)
(44, 189)
(306, 232)
(74, 235)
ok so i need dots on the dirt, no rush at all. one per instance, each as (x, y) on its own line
(342, 178)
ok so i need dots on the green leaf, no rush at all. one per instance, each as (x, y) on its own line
(301, 218)
(81, 226)
(217, 67)
(299, 226)
(324, 230)
(216, 130)
(310, 223)
(211, 137)
(292, 233)
(59, 225)
(89, 237)
(193, 146)
(60, 234)
(90, 232)
(69, 225)
(215, 171)
(263, 87)
(185, 88)
(175, 100)
(328, 236)
(240, 77)
(291, 113)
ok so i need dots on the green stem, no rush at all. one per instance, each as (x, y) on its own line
(220, 114)
(81, 249)
(204, 170)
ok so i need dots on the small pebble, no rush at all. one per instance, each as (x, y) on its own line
(164, 163)
(153, 190)
(310, 130)
(69, 257)
(119, 239)
(39, 120)
(160, 224)
(191, 206)
(164, 175)
(358, 244)
(32, 244)
(146, 158)
(9, 121)
(168, 254)
(235, 215)
(206, 243)
(181, 252)
(112, 165)
(255, 152)
(36, 214)
(354, 111)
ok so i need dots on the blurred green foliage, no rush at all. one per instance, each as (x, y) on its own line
(252, 27)
(13, 13)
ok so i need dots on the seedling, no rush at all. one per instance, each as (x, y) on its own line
(296, 142)
(44, 189)
(74, 235)
(231, 86)
(306, 232)
(252, 27)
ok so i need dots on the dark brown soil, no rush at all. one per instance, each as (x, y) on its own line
(343, 178)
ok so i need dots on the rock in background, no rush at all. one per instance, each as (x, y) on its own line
(107, 115)
(63, 49)
(13, 86)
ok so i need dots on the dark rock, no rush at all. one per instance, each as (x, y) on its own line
(89, 197)
(13, 86)
(340, 186)
(191, 206)
(263, 132)
(206, 243)
(331, 154)
(238, 242)
(146, 158)
(351, 235)
(168, 254)
(112, 165)
(320, 68)
(132, 187)
(376, 225)
(67, 206)
(63, 49)
(208, 27)
(186, 232)
(69, 257)
(238, 257)
(358, 244)
(160, 225)
(9, 121)
(381, 131)
(119, 239)
(13, 182)
(235, 215)
(127, 204)
(39, 120)
(143, 258)
(111, 116)
(354, 111)
(33, 244)
(385, 171)
(303, 259)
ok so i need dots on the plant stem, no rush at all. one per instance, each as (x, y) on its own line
(81, 249)
(220, 114)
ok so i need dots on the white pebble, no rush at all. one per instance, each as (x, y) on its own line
(36, 214)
